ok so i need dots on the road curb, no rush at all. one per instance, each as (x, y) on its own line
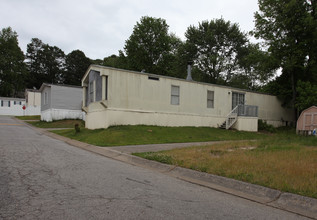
(301, 205)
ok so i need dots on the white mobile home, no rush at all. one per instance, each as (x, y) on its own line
(61, 102)
(120, 97)
(12, 106)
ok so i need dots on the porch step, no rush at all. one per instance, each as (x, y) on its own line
(223, 125)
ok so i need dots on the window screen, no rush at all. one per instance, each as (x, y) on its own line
(91, 91)
(45, 98)
(106, 89)
(210, 99)
(175, 95)
(237, 99)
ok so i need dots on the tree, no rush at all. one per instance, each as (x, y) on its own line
(34, 63)
(116, 61)
(54, 63)
(76, 64)
(289, 29)
(215, 48)
(45, 63)
(258, 68)
(307, 95)
(150, 46)
(12, 67)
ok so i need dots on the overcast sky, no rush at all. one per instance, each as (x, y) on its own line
(100, 27)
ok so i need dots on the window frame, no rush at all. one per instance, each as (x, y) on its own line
(210, 99)
(175, 96)
(45, 98)
(91, 91)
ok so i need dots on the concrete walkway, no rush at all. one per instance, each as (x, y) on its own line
(161, 147)
(301, 205)
(157, 147)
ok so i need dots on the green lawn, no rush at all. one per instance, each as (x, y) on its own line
(31, 117)
(280, 160)
(141, 134)
(283, 161)
(57, 124)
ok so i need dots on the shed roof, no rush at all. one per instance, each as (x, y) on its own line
(12, 99)
(62, 85)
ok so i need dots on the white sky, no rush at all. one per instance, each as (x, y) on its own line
(100, 27)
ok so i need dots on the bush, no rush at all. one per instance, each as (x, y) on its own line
(263, 126)
(77, 128)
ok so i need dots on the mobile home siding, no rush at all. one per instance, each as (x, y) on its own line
(48, 104)
(66, 97)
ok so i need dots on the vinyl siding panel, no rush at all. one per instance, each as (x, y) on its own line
(48, 104)
(66, 97)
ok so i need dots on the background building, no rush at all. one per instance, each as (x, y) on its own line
(61, 102)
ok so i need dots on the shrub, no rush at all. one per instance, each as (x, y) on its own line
(77, 128)
(263, 126)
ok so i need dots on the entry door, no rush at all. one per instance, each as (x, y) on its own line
(237, 99)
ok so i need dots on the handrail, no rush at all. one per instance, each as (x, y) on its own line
(233, 110)
(232, 117)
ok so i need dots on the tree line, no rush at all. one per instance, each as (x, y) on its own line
(42, 63)
(220, 52)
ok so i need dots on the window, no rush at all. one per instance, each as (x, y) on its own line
(106, 89)
(45, 98)
(175, 95)
(210, 99)
(5, 103)
(237, 99)
(153, 78)
(17, 102)
(91, 91)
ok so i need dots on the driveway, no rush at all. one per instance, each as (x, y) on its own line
(44, 178)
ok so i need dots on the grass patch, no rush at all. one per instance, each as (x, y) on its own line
(283, 161)
(57, 124)
(141, 134)
(31, 117)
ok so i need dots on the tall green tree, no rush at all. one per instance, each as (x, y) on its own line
(215, 48)
(34, 62)
(289, 29)
(76, 64)
(258, 67)
(12, 67)
(46, 64)
(115, 61)
(150, 46)
(54, 64)
(307, 95)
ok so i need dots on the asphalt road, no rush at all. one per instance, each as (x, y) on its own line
(44, 178)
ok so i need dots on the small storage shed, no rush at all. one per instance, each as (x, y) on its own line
(33, 102)
(307, 121)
